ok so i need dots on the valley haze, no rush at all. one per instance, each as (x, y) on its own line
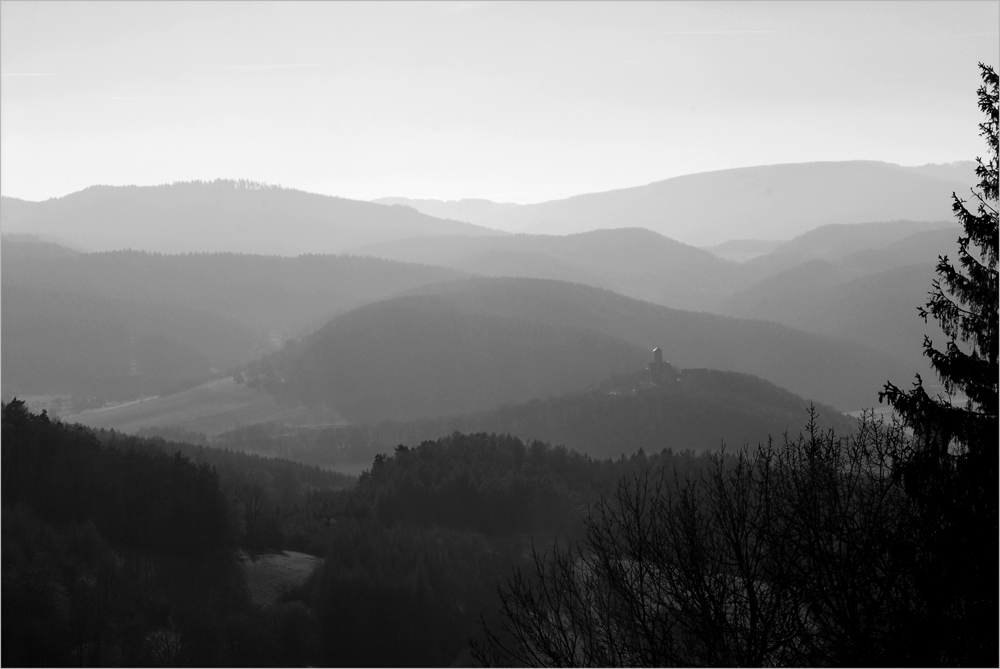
(471, 333)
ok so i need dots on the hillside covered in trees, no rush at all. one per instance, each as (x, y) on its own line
(622, 415)
(471, 340)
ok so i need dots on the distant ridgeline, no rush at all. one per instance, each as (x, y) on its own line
(238, 184)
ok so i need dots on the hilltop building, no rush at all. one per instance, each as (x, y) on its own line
(660, 370)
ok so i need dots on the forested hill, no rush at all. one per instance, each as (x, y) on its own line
(824, 369)
(423, 356)
(636, 262)
(222, 215)
(698, 409)
(119, 551)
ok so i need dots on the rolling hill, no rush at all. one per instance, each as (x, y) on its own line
(219, 216)
(877, 310)
(87, 345)
(741, 250)
(869, 296)
(31, 246)
(423, 356)
(763, 202)
(112, 326)
(486, 341)
(906, 241)
(280, 296)
(699, 411)
(632, 261)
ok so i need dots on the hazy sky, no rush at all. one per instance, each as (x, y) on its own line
(509, 101)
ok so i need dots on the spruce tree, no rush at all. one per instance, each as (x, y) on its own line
(951, 471)
(964, 303)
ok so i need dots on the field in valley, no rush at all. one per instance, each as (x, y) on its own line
(211, 408)
(272, 574)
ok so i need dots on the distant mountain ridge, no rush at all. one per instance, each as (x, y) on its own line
(836, 287)
(466, 209)
(762, 202)
(635, 262)
(961, 171)
(219, 216)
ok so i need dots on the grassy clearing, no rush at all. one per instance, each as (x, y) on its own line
(211, 408)
(272, 574)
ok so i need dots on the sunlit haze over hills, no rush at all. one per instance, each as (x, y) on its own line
(547, 100)
(492, 334)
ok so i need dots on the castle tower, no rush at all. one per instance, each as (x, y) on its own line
(660, 370)
(656, 367)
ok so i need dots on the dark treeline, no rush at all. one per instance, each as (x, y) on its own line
(803, 554)
(497, 484)
(118, 552)
(125, 549)
(419, 547)
(267, 497)
(133, 494)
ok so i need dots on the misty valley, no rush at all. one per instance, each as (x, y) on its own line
(326, 414)
(404, 447)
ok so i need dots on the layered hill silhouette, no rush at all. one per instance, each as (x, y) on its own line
(423, 355)
(632, 261)
(741, 250)
(219, 216)
(838, 241)
(764, 202)
(277, 295)
(468, 344)
(695, 410)
(699, 409)
(467, 209)
(112, 349)
(869, 296)
(33, 247)
(128, 324)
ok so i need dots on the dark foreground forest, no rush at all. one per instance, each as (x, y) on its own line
(874, 548)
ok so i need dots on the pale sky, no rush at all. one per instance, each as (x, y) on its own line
(518, 102)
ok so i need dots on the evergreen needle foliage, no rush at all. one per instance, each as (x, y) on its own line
(951, 472)
(964, 303)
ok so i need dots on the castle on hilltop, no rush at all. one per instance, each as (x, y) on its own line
(660, 370)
